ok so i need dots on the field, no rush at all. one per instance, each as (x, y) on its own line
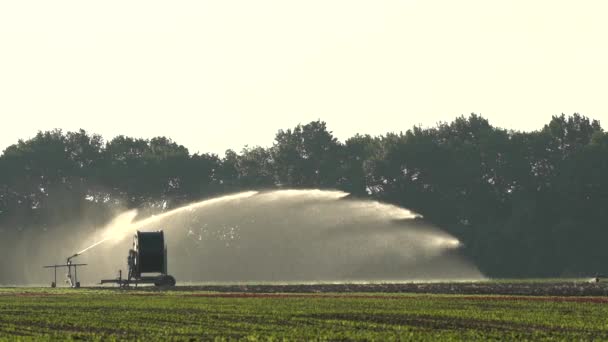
(192, 314)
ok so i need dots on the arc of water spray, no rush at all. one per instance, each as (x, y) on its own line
(121, 230)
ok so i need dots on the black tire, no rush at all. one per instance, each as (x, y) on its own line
(165, 281)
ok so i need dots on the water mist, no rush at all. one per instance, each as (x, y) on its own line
(286, 236)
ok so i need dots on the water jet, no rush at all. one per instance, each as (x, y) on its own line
(291, 236)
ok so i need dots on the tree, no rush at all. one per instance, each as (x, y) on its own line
(523, 203)
(255, 168)
(307, 156)
(360, 153)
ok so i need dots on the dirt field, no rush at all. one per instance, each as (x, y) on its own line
(518, 288)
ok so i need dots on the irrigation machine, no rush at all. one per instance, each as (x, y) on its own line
(147, 262)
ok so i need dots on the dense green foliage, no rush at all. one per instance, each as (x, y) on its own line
(523, 203)
(106, 315)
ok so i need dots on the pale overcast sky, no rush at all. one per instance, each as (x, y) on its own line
(214, 75)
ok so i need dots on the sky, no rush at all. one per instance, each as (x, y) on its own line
(214, 75)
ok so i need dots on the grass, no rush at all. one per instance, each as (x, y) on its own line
(52, 314)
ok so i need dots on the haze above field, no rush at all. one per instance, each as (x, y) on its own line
(219, 75)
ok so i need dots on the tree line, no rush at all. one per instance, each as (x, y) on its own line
(525, 204)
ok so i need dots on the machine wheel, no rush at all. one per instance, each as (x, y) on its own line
(165, 281)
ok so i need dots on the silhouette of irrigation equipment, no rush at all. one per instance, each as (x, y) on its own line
(147, 262)
(72, 277)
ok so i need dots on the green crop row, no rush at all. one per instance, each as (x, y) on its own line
(36, 314)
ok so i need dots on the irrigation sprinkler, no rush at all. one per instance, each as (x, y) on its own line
(72, 277)
(147, 262)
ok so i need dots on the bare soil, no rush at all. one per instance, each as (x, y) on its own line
(558, 289)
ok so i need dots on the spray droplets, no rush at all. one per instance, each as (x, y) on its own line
(296, 235)
(123, 225)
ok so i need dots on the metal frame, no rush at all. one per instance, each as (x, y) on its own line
(73, 278)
